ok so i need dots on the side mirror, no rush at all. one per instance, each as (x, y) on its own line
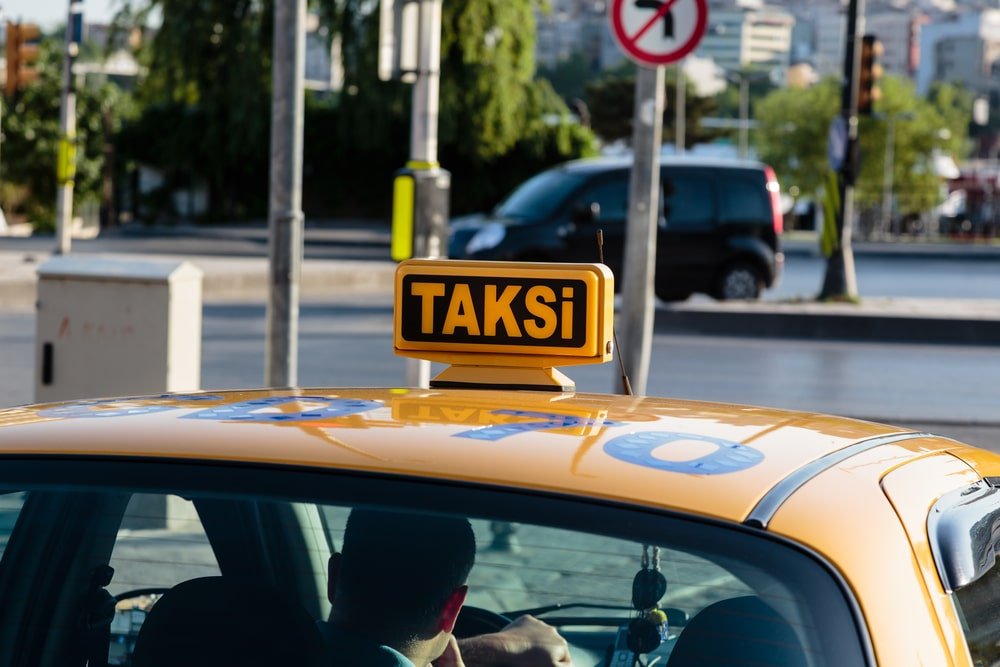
(586, 213)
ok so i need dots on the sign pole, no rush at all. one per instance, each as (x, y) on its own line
(640, 233)
(653, 34)
(286, 218)
(680, 128)
(66, 163)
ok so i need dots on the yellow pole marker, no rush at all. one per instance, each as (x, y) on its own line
(403, 193)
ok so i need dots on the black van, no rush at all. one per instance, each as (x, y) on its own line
(719, 231)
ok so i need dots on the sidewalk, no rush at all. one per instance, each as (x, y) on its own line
(228, 279)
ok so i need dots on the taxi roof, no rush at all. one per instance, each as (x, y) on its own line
(704, 458)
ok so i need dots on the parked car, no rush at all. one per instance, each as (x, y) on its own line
(719, 232)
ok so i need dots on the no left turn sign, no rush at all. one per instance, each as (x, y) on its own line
(657, 32)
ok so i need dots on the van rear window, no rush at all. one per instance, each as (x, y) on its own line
(744, 199)
(689, 203)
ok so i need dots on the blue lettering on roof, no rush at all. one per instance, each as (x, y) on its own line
(639, 448)
(261, 409)
(546, 422)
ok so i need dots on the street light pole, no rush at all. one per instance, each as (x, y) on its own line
(286, 219)
(888, 167)
(840, 280)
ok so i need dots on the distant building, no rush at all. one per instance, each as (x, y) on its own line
(739, 37)
(962, 48)
(899, 32)
(573, 27)
(830, 34)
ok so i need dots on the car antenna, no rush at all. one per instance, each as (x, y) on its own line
(614, 332)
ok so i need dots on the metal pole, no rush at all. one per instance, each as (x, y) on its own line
(887, 175)
(67, 134)
(424, 139)
(286, 220)
(680, 131)
(424, 119)
(840, 279)
(744, 115)
(640, 235)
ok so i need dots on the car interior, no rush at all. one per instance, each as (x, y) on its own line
(152, 564)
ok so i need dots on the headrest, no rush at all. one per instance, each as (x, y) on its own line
(738, 631)
(218, 621)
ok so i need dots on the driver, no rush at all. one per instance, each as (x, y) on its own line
(396, 589)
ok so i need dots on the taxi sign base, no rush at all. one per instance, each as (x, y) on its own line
(511, 377)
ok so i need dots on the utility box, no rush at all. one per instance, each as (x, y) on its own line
(108, 327)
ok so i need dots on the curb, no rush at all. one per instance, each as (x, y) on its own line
(853, 327)
(246, 283)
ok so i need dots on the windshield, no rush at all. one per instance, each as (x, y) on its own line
(539, 196)
(207, 552)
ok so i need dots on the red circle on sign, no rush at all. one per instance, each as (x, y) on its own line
(631, 46)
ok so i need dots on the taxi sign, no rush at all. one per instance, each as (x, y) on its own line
(503, 315)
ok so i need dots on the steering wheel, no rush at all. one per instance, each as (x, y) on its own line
(474, 621)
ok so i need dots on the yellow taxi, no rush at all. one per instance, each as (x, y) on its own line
(646, 531)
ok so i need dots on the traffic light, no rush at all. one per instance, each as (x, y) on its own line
(22, 52)
(869, 74)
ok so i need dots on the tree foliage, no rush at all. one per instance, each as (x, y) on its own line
(209, 67)
(497, 124)
(31, 139)
(206, 97)
(611, 103)
(793, 126)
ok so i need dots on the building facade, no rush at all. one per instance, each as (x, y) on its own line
(739, 37)
(962, 48)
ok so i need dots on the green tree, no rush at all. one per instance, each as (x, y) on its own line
(206, 97)
(793, 126)
(31, 139)
(498, 125)
(208, 88)
(570, 77)
(611, 102)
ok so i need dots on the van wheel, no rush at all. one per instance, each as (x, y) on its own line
(739, 281)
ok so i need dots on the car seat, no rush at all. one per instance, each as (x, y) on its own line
(738, 631)
(226, 621)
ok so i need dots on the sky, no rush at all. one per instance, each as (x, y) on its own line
(50, 13)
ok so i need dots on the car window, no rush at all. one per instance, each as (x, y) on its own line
(612, 197)
(10, 507)
(539, 196)
(978, 605)
(688, 202)
(575, 565)
(154, 528)
(743, 199)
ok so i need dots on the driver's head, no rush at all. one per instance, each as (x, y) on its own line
(401, 577)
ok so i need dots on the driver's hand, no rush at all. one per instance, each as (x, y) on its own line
(451, 657)
(527, 642)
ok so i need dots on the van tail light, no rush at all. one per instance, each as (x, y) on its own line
(775, 191)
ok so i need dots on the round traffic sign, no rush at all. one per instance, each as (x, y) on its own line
(657, 32)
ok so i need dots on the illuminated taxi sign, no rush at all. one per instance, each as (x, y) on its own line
(504, 314)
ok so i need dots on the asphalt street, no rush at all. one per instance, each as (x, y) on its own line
(907, 270)
(952, 390)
